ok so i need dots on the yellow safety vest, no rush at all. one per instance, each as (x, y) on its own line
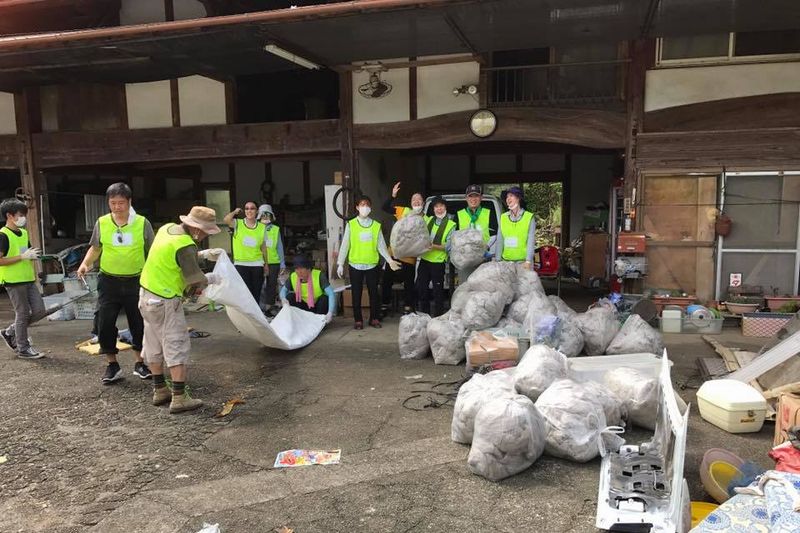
(273, 234)
(303, 287)
(247, 242)
(162, 274)
(515, 236)
(21, 271)
(482, 223)
(122, 246)
(438, 256)
(363, 243)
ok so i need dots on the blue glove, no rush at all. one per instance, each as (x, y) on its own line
(487, 255)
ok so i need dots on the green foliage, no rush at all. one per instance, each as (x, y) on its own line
(543, 199)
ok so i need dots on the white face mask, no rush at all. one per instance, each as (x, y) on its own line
(417, 209)
(21, 221)
(364, 211)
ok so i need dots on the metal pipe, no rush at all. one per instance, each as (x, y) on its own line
(278, 15)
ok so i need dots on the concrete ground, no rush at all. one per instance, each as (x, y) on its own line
(86, 457)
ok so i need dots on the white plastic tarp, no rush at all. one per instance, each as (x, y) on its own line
(293, 328)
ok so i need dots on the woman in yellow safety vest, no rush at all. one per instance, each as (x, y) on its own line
(362, 246)
(308, 289)
(276, 261)
(249, 246)
(407, 264)
(432, 263)
(516, 236)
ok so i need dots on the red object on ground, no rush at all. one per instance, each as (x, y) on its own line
(787, 458)
(616, 284)
(546, 260)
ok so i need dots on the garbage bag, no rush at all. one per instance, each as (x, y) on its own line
(502, 275)
(509, 325)
(574, 420)
(412, 336)
(539, 306)
(539, 368)
(446, 337)
(599, 326)
(467, 248)
(410, 237)
(472, 395)
(527, 281)
(613, 408)
(483, 310)
(508, 438)
(570, 338)
(518, 310)
(562, 308)
(637, 392)
(636, 336)
(547, 331)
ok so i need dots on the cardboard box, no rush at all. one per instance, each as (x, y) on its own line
(788, 415)
(347, 296)
(484, 348)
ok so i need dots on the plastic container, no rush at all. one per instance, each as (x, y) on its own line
(732, 405)
(700, 510)
(710, 326)
(671, 320)
(764, 324)
(85, 308)
(593, 368)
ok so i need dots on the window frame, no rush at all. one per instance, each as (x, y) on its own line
(730, 59)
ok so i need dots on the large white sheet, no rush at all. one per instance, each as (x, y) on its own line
(293, 328)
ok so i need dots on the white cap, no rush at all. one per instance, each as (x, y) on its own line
(265, 209)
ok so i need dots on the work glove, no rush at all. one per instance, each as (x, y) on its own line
(487, 255)
(31, 253)
(212, 254)
(340, 271)
(328, 318)
(285, 302)
(282, 271)
(394, 265)
(213, 279)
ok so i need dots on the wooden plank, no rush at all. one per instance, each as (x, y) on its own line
(8, 151)
(29, 121)
(583, 127)
(59, 149)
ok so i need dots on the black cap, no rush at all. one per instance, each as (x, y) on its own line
(301, 261)
(474, 189)
(438, 200)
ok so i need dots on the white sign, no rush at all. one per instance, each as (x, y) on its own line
(735, 279)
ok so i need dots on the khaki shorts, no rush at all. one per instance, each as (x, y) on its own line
(165, 334)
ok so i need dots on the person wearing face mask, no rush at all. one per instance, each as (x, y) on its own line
(516, 236)
(276, 260)
(171, 272)
(249, 247)
(432, 263)
(18, 277)
(407, 264)
(362, 247)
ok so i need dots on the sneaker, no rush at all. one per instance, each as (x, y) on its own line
(184, 402)
(141, 370)
(113, 373)
(375, 323)
(358, 325)
(29, 353)
(8, 339)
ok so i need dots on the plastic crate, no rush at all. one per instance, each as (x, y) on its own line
(85, 308)
(764, 324)
(688, 325)
(76, 285)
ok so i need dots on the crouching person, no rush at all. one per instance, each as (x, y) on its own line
(170, 273)
(309, 290)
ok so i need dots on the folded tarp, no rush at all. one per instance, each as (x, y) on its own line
(293, 328)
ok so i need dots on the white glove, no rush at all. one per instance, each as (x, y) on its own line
(285, 302)
(328, 318)
(213, 279)
(212, 254)
(340, 271)
(31, 253)
(394, 265)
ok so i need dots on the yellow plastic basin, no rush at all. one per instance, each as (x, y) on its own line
(721, 474)
(700, 510)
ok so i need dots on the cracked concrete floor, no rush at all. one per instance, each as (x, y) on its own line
(84, 457)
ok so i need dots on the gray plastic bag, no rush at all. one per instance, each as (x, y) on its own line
(638, 393)
(599, 326)
(483, 310)
(446, 337)
(539, 307)
(472, 395)
(527, 281)
(410, 237)
(539, 368)
(467, 248)
(412, 336)
(508, 438)
(570, 338)
(562, 308)
(636, 336)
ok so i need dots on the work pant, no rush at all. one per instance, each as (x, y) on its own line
(270, 287)
(357, 278)
(28, 308)
(430, 273)
(406, 274)
(166, 338)
(320, 304)
(115, 293)
(253, 277)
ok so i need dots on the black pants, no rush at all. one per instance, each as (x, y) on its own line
(357, 278)
(320, 304)
(114, 294)
(428, 272)
(270, 287)
(253, 277)
(406, 274)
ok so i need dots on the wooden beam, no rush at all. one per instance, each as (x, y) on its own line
(585, 127)
(641, 56)
(306, 182)
(390, 65)
(29, 121)
(8, 151)
(61, 149)
(412, 92)
(175, 103)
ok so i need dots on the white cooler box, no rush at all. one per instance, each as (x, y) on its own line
(732, 405)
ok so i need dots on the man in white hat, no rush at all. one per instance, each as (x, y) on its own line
(276, 260)
(171, 272)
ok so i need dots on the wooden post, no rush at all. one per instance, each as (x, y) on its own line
(349, 156)
(34, 184)
(642, 55)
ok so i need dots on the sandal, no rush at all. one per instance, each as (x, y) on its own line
(358, 325)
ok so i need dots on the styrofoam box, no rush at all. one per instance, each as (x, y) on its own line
(593, 368)
(732, 405)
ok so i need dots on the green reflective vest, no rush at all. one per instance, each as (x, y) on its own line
(247, 242)
(515, 235)
(162, 274)
(21, 271)
(438, 256)
(273, 235)
(303, 287)
(363, 243)
(122, 246)
(481, 223)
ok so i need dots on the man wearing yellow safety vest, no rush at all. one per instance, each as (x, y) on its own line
(309, 290)
(362, 247)
(407, 264)
(516, 236)
(474, 216)
(432, 263)
(121, 240)
(170, 273)
(18, 277)
(276, 262)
